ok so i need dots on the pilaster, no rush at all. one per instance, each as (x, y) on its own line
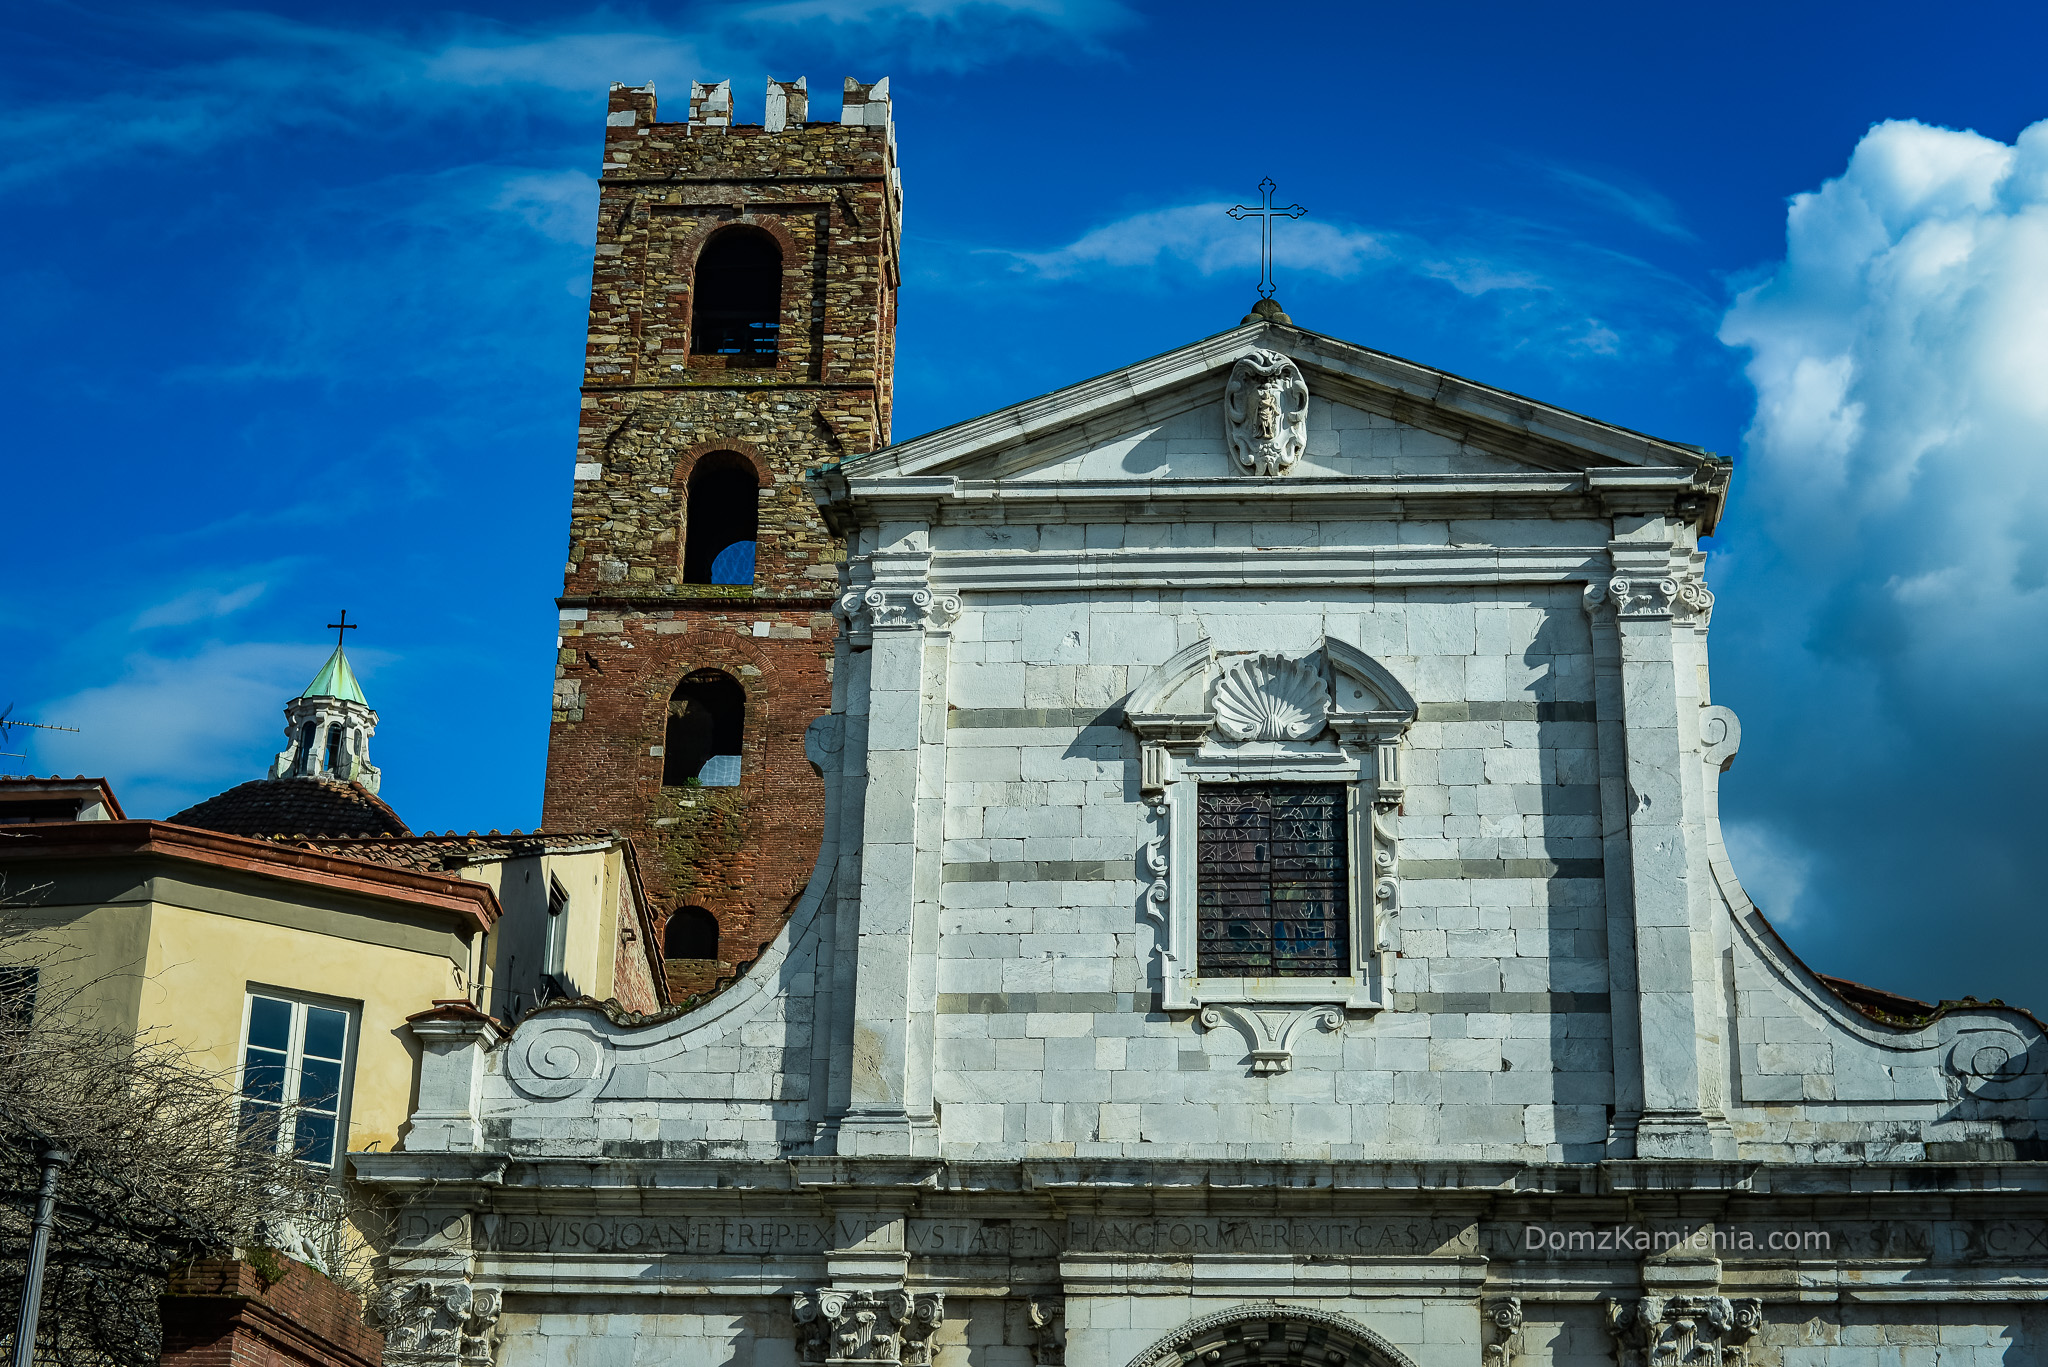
(904, 624)
(1651, 597)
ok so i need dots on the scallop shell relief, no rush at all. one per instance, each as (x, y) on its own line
(1270, 697)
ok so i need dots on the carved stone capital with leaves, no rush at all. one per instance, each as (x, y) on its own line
(1503, 1324)
(866, 1326)
(1711, 1331)
(1048, 1319)
(435, 1323)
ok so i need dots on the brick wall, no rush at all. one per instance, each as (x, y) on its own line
(631, 629)
(224, 1313)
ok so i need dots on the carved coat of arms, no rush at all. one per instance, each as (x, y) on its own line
(1265, 412)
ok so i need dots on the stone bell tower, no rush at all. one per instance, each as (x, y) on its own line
(742, 330)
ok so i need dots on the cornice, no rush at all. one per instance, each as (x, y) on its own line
(472, 902)
(1679, 492)
(1277, 1184)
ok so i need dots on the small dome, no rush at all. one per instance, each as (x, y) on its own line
(294, 806)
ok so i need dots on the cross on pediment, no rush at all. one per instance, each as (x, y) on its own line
(1265, 211)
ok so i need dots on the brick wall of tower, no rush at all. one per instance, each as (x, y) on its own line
(631, 628)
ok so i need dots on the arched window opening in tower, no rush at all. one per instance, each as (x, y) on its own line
(721, 520)
(736, 302)
(707, 715)
(692, 933)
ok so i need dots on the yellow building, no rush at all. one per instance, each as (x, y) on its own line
(283, 933)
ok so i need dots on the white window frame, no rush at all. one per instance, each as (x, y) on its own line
(1172, 714)
(352, 1012)
(557, 957)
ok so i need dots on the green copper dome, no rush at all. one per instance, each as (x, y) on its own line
(336, 680)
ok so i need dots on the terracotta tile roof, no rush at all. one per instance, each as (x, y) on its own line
(430, 853)
(295, 806)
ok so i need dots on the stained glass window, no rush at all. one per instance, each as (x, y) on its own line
(1272, 881)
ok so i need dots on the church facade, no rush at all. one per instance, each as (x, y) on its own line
(1270, 906)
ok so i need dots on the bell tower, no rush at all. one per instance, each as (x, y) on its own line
(742, 331)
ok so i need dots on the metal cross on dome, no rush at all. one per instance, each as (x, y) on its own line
(338, 627)
(1265, 212)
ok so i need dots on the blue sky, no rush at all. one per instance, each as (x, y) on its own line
(294, 304)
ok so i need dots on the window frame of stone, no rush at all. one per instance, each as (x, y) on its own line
(295, 1056)
(1183, 722)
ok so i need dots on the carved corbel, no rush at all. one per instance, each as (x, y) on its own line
(1503, 1316)
(1720, 736)
(1386, 869)
(1159, 865)
(1048, 1317)
(1270, 1032)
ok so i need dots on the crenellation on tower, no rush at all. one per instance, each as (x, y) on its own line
(742, 327)
(710, 104)
(789, 102)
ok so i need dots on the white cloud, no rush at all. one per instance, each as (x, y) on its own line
(1203, 237)
(1538, 288)
(198, 605)
(1888, 597)
(561, 205)
(1900, 446)
(1775, 871)
(171, 731)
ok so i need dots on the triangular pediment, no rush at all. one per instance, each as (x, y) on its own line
(1370, 416)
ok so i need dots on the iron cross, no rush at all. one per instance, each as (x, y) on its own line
(338, 627)
(1265, 212)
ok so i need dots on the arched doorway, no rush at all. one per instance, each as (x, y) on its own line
(1272, 1334)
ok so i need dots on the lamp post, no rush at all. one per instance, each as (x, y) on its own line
(54, 1160)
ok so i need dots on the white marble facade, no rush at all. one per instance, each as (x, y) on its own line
(1567, 1099)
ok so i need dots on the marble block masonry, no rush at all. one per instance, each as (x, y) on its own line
(1552, 1091)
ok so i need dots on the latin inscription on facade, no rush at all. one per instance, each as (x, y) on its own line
(1297, 1238)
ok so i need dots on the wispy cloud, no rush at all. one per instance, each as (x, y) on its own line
(199, 605)
(1541, 287)
(234, 73)
(1776, 872)
(171, 730)
(1619, 195)
(1202, 237)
